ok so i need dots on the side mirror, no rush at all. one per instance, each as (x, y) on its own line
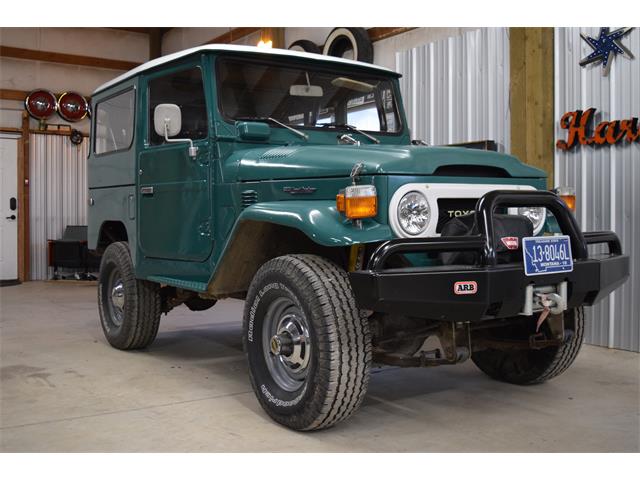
(167, 120)
(253, 131)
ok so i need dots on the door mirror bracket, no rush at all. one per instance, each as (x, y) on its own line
(167, 122)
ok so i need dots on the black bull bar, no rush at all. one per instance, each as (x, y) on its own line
(428, 292)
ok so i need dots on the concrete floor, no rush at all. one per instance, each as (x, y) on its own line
(64, 389)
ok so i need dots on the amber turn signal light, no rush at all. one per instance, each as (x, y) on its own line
(570, 200)
(361, 201)
(568, 196)
(340, 201)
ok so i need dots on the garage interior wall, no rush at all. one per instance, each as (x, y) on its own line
(57, 194)
(457, 89)
(27, 75)
(606, 178)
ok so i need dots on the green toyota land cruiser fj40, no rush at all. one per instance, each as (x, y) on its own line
(289, 180)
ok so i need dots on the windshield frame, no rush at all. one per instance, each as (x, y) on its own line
(332, 68)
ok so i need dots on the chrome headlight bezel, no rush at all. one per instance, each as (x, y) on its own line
(412, 205)
(536, 215)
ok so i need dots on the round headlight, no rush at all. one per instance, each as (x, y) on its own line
(537, 216)
(414, 213)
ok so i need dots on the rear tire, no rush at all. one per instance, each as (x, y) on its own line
(308, 349)
(129, 308)
(527, 367)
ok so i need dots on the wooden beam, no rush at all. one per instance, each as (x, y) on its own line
(21, 95)
(531, 97)
(155, 43)
(56, 57)
(233, 35)
(24, 248)
(380, 33)
(9, 94)
(144, 30)
(10, 130)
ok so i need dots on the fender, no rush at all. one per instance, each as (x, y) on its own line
(319, 220)
(266, 230)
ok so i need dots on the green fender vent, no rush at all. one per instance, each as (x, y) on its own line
(248, 197)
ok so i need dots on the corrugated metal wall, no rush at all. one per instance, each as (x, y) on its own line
(457, 90)
(607, 179)
(58, 193)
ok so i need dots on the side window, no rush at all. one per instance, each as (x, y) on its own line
(114, 123)
(186, 90)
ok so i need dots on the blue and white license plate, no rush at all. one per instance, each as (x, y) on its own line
(545, 255)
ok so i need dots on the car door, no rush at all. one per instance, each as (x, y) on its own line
(174, 189)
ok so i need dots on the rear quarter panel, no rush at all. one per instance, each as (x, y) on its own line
(115, 203)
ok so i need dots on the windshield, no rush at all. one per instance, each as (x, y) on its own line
(304, 96)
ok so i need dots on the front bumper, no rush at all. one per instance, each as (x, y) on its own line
(428, 292)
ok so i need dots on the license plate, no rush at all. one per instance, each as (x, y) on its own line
(546, 255)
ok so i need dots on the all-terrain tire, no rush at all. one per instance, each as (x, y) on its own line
(131, 322)
(317, 295)
(527, 367)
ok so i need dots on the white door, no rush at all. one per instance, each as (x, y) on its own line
(8, 207)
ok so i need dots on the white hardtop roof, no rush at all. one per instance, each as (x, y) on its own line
(219, 47)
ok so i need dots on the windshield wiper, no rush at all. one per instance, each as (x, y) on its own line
(277, 122)
(348, 127)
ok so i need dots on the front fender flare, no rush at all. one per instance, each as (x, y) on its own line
(319, 220)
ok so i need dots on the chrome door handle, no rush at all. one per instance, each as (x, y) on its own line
(146, 190)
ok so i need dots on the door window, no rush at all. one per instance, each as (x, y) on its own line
(186, 90)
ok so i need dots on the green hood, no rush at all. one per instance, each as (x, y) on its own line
(314, 161)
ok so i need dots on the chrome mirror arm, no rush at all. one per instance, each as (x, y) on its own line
(193, 150)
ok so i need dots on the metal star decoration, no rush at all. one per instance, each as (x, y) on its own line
(605, 47)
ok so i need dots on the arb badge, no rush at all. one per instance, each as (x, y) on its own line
(465, 288)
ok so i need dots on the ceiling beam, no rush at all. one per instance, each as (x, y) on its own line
(380, 33)
(144, 30)
(56, 57)
(233, 35)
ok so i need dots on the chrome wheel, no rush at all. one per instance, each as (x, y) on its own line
(116, 298)
(286, 344)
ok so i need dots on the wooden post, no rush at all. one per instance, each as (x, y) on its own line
(531, 64)
(24, 250)
(155, 43)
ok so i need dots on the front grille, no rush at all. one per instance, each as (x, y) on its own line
(449, 208)
(248, 197)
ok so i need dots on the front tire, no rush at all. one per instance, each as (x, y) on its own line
(129, 308)
(308, 349)
(527, 367)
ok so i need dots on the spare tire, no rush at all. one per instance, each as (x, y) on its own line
(305, 46)
(342, 39)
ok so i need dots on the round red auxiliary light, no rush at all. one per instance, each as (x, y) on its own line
(72, 106)
(41, 104)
